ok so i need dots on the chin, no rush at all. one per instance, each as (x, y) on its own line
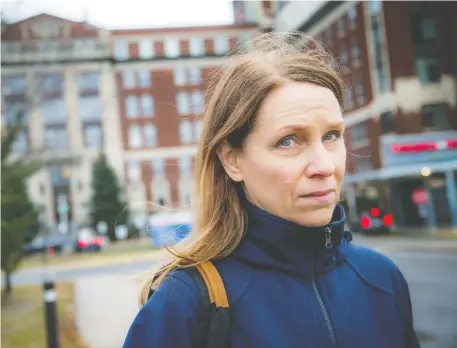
(316, 217)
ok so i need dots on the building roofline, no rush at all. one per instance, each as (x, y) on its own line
(320, 14)
(161, 30)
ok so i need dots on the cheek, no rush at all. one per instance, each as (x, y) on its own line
(274, 173)
(340, 165)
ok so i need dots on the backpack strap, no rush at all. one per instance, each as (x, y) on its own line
(219, 326)
(215, 314)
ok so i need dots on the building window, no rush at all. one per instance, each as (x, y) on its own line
(135, 137)
(221, 45)
(375, 7)
(144, 78)
(352, 17)
(172, 48)
(150, 135)
(387, 122)
(158, 166)
(198, 129)
(90, 108)
(196, 46)
(50, 84)
(93, 136)
(194, 75)
(340, 27)
(423, 29)
(53, 111)
(56, 137)
(187, 76)
(133, 171)
(121, 50)
(428, 29)
(147, 105)
(15, 112)
(180, 77)
(198, 102)
(14, 85)
(146, 49)
(185, 132)
(21, 143)
(363, 163)
(349, 97)
(358, 134)
(328, 36)
(89, 81)
(131, 105)
(128, 79)
(185, 165)
(355, 52)
(183, 103)
(428, 70)
(435, 116)
(359, 91)
(344, 54)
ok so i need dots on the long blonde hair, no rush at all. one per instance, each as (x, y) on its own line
(236, 95)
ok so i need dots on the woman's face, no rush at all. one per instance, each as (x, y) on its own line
(293, 161)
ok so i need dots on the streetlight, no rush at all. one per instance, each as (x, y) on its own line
(426, 171)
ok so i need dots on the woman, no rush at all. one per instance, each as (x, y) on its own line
(269, 174)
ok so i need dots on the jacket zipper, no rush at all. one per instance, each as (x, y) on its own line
(331, 332)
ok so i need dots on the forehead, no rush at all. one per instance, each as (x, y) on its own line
(299, 102)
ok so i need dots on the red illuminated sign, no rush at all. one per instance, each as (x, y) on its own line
(424, 146)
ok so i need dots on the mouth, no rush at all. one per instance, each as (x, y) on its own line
(323, 197)
(318, 194)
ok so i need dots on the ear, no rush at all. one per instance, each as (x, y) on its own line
(229, 159)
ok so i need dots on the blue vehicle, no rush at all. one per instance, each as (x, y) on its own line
(169, 228)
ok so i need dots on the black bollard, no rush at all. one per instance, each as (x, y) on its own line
(50, 308)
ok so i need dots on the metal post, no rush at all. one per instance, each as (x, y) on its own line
(451, 190)
(50, 306)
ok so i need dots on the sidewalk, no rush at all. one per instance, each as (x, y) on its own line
(105, 309)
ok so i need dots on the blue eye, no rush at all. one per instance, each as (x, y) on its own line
(332, 136)
(286, 142)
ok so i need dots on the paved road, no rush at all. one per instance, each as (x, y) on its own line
(433, 287)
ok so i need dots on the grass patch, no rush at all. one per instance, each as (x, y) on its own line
(23, 323)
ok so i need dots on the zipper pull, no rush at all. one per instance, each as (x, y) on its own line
(328, 237)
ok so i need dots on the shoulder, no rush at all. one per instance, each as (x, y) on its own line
(376, 269)
(173, 307)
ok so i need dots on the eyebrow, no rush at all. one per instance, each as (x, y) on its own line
(330, 124)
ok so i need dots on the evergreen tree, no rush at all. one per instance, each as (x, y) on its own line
(106, 204)
(19, 218)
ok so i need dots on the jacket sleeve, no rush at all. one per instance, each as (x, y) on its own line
(404, 302)
(169, 319)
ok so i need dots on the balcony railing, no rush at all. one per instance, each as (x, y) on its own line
(29, 52)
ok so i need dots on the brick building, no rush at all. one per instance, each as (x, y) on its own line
(135, 95)
(399, 61)
(161, 77)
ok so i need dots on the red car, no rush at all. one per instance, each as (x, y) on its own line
(87, 240)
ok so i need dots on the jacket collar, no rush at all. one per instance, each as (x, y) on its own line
(274, 243)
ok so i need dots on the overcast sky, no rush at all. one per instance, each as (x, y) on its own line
(126, 13)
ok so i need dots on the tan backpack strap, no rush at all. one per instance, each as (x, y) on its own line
(213, 281)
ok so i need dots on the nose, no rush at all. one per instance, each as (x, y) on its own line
(319, 163)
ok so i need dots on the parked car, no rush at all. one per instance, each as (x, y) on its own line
(375, 221)
(88, 240)
(43, 242)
